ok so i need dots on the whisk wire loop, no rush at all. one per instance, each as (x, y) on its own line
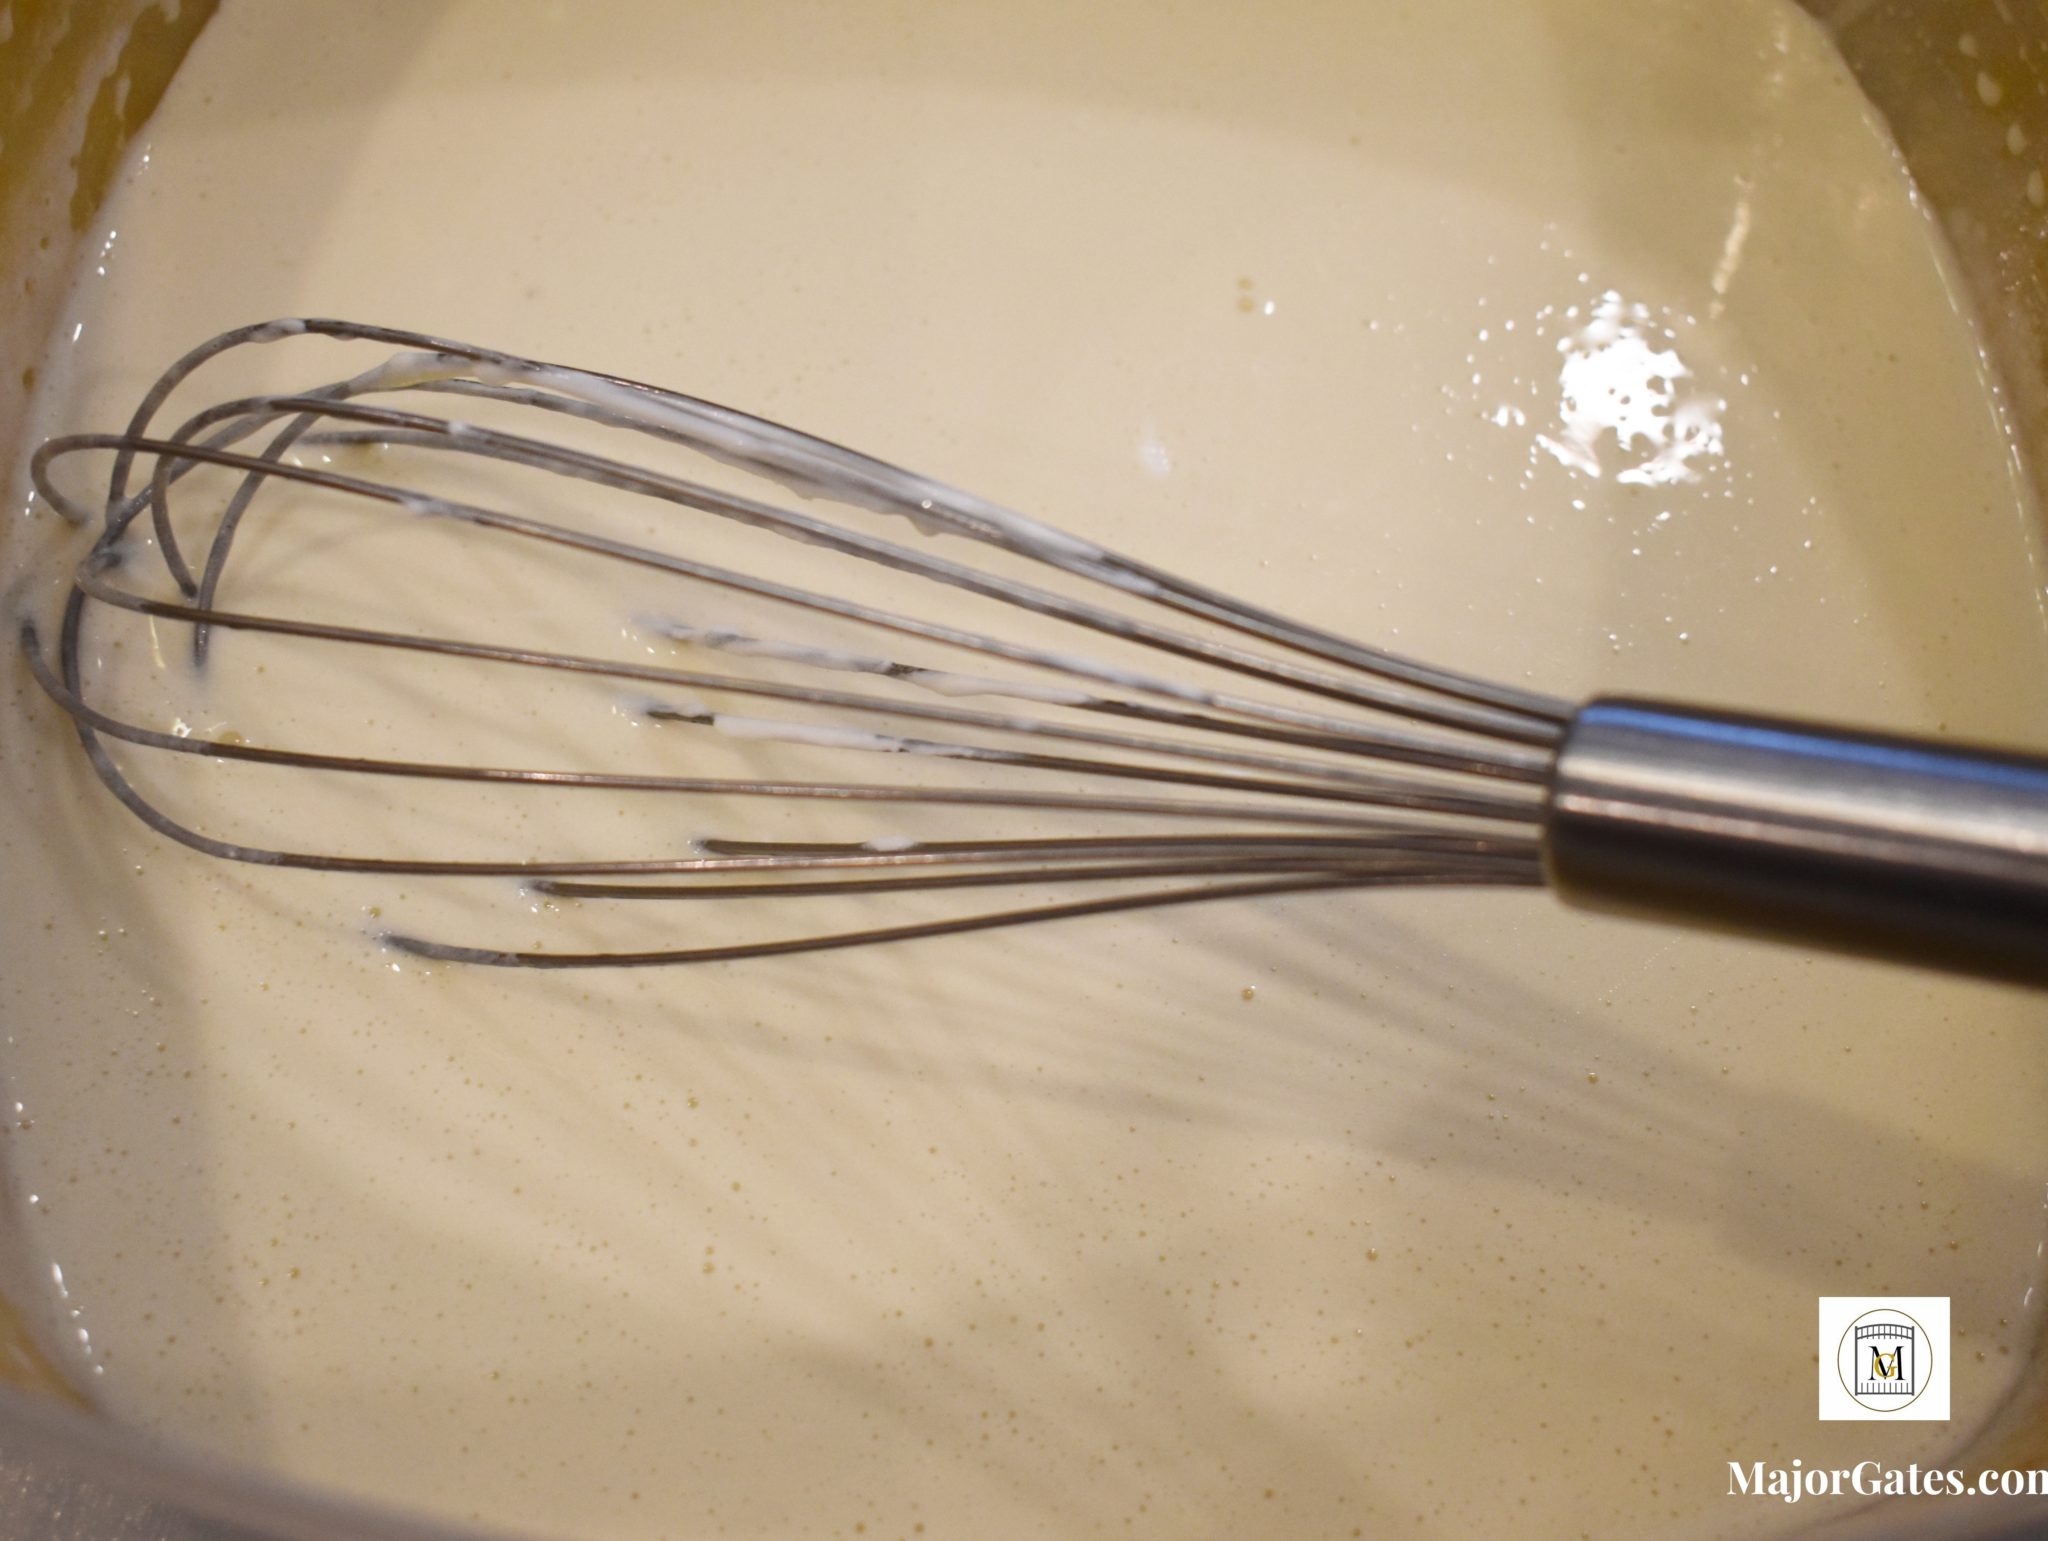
(1268, 757)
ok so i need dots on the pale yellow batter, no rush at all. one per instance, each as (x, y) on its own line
(1586, 345)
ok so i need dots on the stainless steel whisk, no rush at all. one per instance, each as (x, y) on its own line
(1257, 756)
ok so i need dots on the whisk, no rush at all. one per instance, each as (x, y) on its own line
(1174, 744)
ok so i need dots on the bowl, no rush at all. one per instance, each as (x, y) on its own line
(88, 77)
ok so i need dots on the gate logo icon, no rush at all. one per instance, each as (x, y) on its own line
(1882, 1360)
(1884, 1357)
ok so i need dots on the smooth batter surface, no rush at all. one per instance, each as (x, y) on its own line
(1584, 345)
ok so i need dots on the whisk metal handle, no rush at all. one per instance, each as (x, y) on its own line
(1909, 849)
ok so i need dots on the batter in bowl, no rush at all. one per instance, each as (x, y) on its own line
(1587, 345)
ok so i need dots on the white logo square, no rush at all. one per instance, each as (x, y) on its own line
(1884, 1357)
